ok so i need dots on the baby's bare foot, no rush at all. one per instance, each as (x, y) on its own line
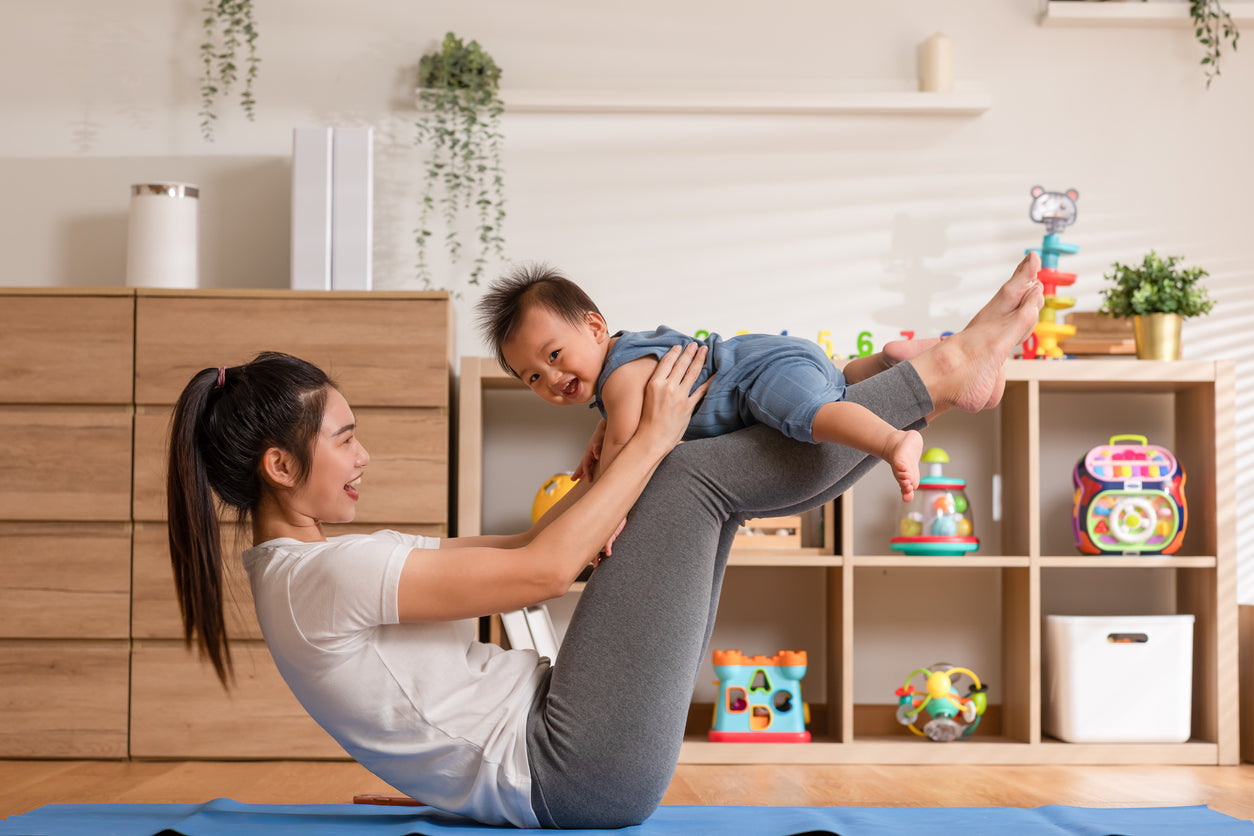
(903, 456)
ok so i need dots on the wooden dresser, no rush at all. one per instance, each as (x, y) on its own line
(92, 662)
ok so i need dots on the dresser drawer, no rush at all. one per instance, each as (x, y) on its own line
(155, 612)
(383, 352)
(180, 710)
(66, 349)
(65, 580)
(63, 699)
(65, 463)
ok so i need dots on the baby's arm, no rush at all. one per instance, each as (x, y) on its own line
(623, 396)
(853, 425)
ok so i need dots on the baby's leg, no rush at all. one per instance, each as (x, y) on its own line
(897, 351)
(853, 425)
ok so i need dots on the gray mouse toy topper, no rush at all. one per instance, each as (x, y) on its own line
(1054, 209)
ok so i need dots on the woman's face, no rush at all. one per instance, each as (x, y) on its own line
(331, 492)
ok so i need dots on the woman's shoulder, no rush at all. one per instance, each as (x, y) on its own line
(288, 549)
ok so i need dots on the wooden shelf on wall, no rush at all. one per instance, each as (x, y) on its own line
(963, 102)
(1152, 14)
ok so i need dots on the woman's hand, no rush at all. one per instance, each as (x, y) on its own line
(669, 397)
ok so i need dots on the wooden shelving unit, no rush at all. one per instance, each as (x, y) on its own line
(1204, 572)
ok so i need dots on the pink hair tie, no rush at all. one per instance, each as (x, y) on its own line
(221, 376)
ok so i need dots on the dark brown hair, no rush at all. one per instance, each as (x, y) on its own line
(223, 423)
(509, 297)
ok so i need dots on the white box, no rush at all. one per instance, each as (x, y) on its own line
(1118, 679)
(311, 209)
(352, 201)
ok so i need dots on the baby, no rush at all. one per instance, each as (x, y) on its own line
(549, 333)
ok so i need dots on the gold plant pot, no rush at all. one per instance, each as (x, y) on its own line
(1157, 336)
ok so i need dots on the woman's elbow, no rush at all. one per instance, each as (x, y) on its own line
(552, 578)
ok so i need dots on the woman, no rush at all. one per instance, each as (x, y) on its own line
(363, 627)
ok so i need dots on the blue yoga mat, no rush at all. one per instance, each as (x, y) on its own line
(224, 816)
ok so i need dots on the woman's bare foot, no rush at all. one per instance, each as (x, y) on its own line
(1006, 300)
(968, 370)
(902, 454)
(1009, 296)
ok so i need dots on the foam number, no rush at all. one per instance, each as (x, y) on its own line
(825, 342)
(865, 346)
(909, 335)
(701, 335)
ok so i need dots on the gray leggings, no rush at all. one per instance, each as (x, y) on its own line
(604, 733)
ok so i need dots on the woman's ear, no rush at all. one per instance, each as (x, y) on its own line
(278, 468)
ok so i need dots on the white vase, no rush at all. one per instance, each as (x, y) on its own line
(161, 241)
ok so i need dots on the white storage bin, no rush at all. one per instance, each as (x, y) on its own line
(1118, 679)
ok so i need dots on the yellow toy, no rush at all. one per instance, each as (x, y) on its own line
(553, 489)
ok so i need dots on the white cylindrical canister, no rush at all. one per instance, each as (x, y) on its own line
(161, 237)
(936, 65)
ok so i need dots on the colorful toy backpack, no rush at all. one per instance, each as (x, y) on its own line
(1129, 499)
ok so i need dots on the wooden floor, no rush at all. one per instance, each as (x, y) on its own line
(25, 785)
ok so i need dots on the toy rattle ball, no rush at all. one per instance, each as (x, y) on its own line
(953, 716)
(553, 489)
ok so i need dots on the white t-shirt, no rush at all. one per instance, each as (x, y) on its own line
(428, 709)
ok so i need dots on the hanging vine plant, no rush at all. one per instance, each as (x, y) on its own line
(459, 122)
(1212, 27)
(228, 26)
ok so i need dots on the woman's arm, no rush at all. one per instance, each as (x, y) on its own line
(478, 579)
(515, 541)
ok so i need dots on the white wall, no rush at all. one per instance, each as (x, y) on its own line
(759, 222)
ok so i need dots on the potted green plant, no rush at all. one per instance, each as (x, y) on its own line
(1158, 295)
(228, 26)
(459, 121)
(1212, 26)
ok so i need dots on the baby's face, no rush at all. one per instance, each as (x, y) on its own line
(558, 360)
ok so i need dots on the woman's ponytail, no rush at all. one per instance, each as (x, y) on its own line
(195, 538)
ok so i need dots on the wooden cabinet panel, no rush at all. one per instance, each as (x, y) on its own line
(65, 463)
(179, 710)
(384, 352)
(65, 580)
(405, 482)
(63, 699)
(152, 446)
(407, 478)
(155, 614)
(38, 364)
